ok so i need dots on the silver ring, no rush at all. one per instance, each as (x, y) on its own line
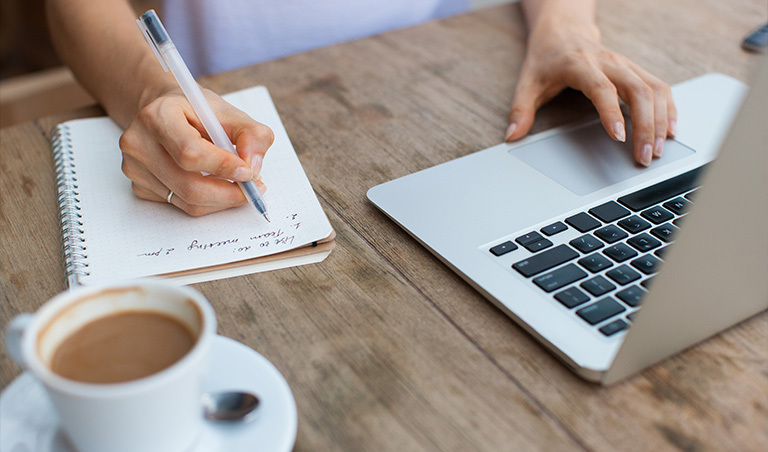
(168, 199)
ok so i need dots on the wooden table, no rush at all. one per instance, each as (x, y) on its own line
(384, 347)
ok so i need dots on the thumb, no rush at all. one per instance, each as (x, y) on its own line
(522, 113)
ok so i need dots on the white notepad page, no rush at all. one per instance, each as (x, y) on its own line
(126, 237)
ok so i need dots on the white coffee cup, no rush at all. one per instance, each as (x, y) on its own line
(160, 412)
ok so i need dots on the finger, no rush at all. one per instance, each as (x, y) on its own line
(176, 201)
(193, 187)
(171, 126)
(640, 98)
(604, 96)
(662, 94)
(252, 139)
(143, 179)
(523, 110)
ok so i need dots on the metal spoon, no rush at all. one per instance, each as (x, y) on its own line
(230, 406)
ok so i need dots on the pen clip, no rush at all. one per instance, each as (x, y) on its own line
(148, 36)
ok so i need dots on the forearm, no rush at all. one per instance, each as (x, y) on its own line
(100, 42)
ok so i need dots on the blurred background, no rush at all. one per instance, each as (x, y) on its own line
(33, 82)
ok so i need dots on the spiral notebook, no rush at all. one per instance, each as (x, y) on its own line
(109, 234)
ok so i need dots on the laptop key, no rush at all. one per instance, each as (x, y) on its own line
(665, 232)
(623, 275)
(642, 199)
(583, 222)
(597, 286)
(595, 262)
(609, 212)
(503, 248)
(620, 252)
(560, 278)
(602, 310)
(632, 295)
(614, 327)
(528, 238)
(554, 228)
(586, 243)
(657, 215)
(644, 242)
(646, 264)
(611, 234)
(678, 205)
(634, 224)
(538, 245)
(545, 260)
(571, 297)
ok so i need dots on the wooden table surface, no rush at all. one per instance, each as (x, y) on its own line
(384, 347)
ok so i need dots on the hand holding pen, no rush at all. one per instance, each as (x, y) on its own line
(166, 148)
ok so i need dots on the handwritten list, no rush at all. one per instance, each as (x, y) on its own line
(127, 237)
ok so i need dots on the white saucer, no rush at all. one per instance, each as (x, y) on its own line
(28, 422)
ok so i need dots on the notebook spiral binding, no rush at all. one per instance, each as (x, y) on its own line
(73, 247)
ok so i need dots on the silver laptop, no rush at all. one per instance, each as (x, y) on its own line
(612, 266)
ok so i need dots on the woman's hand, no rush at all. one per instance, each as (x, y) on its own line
(165, 148)
(564, 51)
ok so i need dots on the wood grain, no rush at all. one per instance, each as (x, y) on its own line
(384, 347)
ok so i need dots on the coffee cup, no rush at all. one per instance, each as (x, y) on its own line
(123, 364)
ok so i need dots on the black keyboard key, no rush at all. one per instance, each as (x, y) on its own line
(602, 310)
(595, 262)
(597, 286)
(644, 242)
(657, 215)
(646, 264)
(545, 260)
(554, 228)
(503, 248)
(571, 297)
(586, 244)
(634, 224)
(678, 205)
(539, 245)
(611, 234)
(530, 237)
(620, 252)
(560, 278)
(623, 275)
(642, 199)
(632, 295)
(609, 212)
(631, 316)
(583, 222)
(661, 251)
(614, 327)
(647, 283)
(691, 195)
(665, 232)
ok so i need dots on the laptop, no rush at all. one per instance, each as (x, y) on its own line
(613, 267)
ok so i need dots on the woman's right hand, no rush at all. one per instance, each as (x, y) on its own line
(165, 149)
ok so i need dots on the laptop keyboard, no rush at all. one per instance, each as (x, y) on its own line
(603, 273)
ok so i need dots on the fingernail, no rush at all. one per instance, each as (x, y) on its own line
(242, 174)
(619, 133)
(672, 128)
(510, 131)
(645, 155)
(256, 163)
(658, 147)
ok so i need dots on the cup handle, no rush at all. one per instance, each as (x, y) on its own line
(13, 333)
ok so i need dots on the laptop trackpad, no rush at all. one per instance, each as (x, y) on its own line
(586, 159)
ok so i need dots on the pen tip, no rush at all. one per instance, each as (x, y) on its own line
(266, 218)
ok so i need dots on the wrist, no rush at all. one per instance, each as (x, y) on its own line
(567, 19)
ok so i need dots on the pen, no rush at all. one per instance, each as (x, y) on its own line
(170, 59)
